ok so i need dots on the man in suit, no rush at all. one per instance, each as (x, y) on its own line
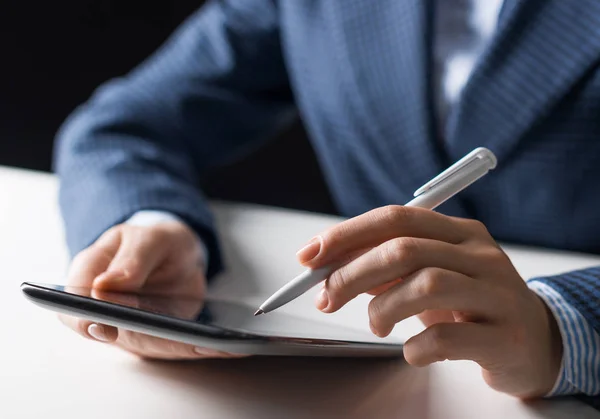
(391, 92)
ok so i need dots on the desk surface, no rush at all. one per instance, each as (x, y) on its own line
(48, 371)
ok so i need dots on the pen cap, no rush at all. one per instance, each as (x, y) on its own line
(456, 178)
(480, 155)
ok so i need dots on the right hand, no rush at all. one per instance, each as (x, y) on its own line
(163, 259)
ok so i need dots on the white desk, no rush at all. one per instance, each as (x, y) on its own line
(48, 371)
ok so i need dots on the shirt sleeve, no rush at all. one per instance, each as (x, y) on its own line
(580, 366)
(151, 217)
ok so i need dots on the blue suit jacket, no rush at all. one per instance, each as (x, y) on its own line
(358, 73)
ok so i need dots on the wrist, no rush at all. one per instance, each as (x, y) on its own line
(564, 318)
(553, 345)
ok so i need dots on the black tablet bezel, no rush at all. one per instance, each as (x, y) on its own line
(162, 325)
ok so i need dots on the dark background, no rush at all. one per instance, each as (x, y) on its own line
(53, 55)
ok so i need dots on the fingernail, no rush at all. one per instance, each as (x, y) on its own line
(97, 332)
(310, 251)
(322, 300)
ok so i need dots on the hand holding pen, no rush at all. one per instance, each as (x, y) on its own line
(435, 192)
(451, 273)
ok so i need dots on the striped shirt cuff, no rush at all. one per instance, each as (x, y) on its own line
(152, 217)
(580, 366)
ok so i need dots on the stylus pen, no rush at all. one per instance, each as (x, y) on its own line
(444, 186)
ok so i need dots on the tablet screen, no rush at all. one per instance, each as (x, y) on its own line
(230, 316)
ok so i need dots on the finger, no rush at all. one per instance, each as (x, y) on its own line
(383, 224)
(431, 317)
(184, 308)
(453, 341)
(137, 256)
(394, 259)
(86, 266)
(157, 348)
(380, 289)
(322, 299)
(121, 298)
(431, 289)
(90, 330)
(94, 260)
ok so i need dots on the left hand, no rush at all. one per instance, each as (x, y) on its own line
(451, 273)
(161, 260)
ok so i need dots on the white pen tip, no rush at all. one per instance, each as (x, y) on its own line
(258, 312)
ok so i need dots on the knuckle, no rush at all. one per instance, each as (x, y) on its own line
(113, 233)
(133, 266)
(494, 255)
(478, 228)
(339, 280)
(401, 249)
(477, 225)
(389, 253)
(432, 282)
(491, 259)
(393, 214)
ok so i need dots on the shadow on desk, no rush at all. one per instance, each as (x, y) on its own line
(300, 387)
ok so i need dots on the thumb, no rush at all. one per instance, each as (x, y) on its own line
(138, 255)
(86, 266)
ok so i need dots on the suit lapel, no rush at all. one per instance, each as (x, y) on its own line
(540, 50)
(384, 53)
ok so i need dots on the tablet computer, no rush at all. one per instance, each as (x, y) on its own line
(215, 324)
